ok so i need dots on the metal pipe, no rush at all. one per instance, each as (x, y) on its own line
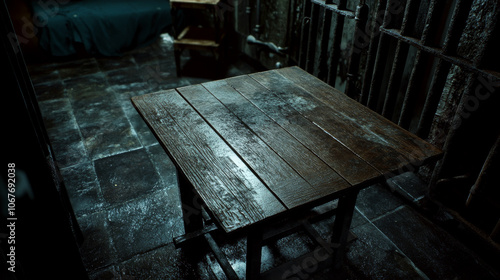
(269, 45)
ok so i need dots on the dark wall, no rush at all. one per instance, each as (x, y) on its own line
(45, 231)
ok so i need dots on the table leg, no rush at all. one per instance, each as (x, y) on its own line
(341, 226)
(191, 205)
(254, 254)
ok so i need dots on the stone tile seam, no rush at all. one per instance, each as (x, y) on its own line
(419, 272)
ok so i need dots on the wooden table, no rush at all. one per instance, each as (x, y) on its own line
(262, 148)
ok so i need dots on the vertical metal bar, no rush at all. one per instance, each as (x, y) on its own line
(372, 52)
(380, 61)
(378, 71)
(410, 16)
(313, 33)
(353, 68)
(414, 85)
(304, 34)
(488, 38)
(335, 55)
(432, 99)
(325, 38)
(400, 57)
(395, 78)
(319, 40)
(434, 15)
(457, 25)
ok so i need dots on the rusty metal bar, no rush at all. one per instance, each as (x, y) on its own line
(412, 90)
(399, 60)
(353, 68)
(311, 44)
(324, 43)
(304, 35)
(395, 79)
(463, 63)
(434, 17)
(381, 59)
(409, 17)
(372, 53)
(335, 55)
(339, 9)
(433, 97)
(457, 25)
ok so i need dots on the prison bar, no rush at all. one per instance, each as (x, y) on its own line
(353, 67)
(372, 54)
(311, 47)
(399, 61)
(324, 43)
(304, 34)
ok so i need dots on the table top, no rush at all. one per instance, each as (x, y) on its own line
(258, 145)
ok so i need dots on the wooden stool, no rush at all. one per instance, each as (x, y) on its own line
(196, 37)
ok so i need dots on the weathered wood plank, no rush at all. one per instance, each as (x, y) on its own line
(286, 167)
(374, 138)
(347, 164)
(268, 166)
(230, 190)
(402, 140)
(300, 158)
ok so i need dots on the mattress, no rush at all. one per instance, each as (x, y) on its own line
(102, 27)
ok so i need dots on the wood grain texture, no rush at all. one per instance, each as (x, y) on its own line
(231, 191)
(270, 168)
(284, 165)
(347, 164)
(257, 145)
(378, 141)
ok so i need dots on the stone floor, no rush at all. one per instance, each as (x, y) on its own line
(122, 186)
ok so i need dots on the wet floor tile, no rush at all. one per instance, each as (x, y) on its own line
(108, 273)
(83, 188)
(50, 90)
(410, 184)
(144, 224)
(164, 166)
(164, 263)
(78, 68)
(58, 117)
(111, 63)
(124, 177)
(110, 142)
(78, 86)
(97, 249)
(434, 251)
(69, 149)
(375, 201)
(142, 130)
(374, 256)
(43, 73)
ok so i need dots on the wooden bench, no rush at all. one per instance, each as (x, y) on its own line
(260, 150)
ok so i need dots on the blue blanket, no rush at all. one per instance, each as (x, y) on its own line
(103, 27)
